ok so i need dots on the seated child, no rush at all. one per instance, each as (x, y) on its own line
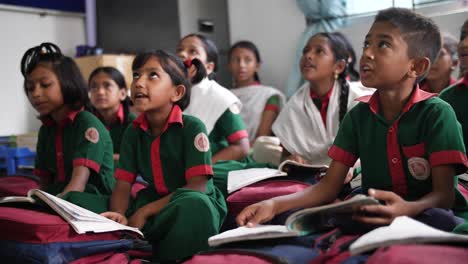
(74, 149)
(408, 140)
(457, 94)
(310, 120)
(440, 74)
(217, 107)
(181, 208)
(260, 104)
(108, 94)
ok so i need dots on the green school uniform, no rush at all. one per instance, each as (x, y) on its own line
(457, 96)
(79, 140)
(398, 156)
(166, 162)
(229, 128)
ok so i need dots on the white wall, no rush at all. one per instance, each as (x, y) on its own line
(275, 27)
(20, 31)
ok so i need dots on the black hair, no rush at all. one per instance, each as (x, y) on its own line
(73, 86)
(119, 79)
(421, 34)
(340, 53)
(462, 31)
(176, 69)
(211, 52)
(245, 44)
(351, 61)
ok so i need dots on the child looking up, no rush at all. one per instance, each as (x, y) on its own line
(181, 208)
(408, 140)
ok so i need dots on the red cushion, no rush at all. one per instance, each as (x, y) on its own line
(428, 254)
(16, 185)
(227, 258)
(23, 225)
(136, 187)
(261, 191)
(463, 190)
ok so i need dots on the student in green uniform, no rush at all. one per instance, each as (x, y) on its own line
(181, 208)
(74, 149)
(216, 106)
(108, 94)
(457, 94)
(408, 141)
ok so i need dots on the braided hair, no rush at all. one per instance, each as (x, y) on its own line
(176, 69)
(341, 53)
(211, 52)
(119, 79)
(73, 86)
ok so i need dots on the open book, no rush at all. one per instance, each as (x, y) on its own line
(403, 230)
(82, 220)
(240, 178)
(300, 223)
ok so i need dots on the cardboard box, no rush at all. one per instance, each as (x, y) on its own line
(123, 63)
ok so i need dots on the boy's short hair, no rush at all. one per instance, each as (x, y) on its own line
(421, 34)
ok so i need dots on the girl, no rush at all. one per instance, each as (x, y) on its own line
(216, 106)
(439, 77)
(260, 104)
(310, 120)
(108, 94)
(181, 208)
(74, 149)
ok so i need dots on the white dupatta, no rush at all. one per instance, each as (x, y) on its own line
(209, 100)
(300, 127)
(254, 98)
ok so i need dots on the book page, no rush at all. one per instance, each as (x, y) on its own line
(315, 218)
(251, 233)
(81, 219)
(403, 230)
(17, 199)
(241, 178)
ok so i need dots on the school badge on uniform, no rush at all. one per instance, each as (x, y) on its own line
(419, 168)
(201, 142)
(92, 135)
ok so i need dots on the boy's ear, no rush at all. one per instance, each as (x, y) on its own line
(339, 66)
(454, 64)
(178, 94)
(122, 94)
(209, 67)
(420, 67)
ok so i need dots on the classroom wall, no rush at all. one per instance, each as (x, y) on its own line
(20, 31)
(275, 26)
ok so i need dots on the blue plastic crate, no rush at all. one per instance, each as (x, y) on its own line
(13, 158)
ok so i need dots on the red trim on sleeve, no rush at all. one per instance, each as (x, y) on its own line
(124, 175)
(156, 168)
(199, 170)
(42, 173)
(341, 155)
(87, 163)
(237, 135)
(448, 157)
(271, 107)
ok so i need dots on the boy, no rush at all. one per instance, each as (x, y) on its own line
(408, 140)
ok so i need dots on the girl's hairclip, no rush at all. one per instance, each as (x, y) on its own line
(188, 63)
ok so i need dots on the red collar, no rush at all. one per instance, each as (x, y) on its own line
(417, 96)
(48, 121)
(120, 114)
(326, 97)
(462, 82)
(175, 117)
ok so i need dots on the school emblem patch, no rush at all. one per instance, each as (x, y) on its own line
(201, 142)
(92, 135)
(419, 168)
(235, 109)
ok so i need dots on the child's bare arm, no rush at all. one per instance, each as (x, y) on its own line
(78, 180)
(442, 196)
(120, 196)
(325, 191)
(268, 118)
(235, 151)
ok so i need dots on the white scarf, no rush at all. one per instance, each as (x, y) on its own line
(209, 100)
(254, 98)
(300, 127)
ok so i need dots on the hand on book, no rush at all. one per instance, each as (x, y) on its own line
(383, 214)
(296, 158)
(114, 216)
(257, 213)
